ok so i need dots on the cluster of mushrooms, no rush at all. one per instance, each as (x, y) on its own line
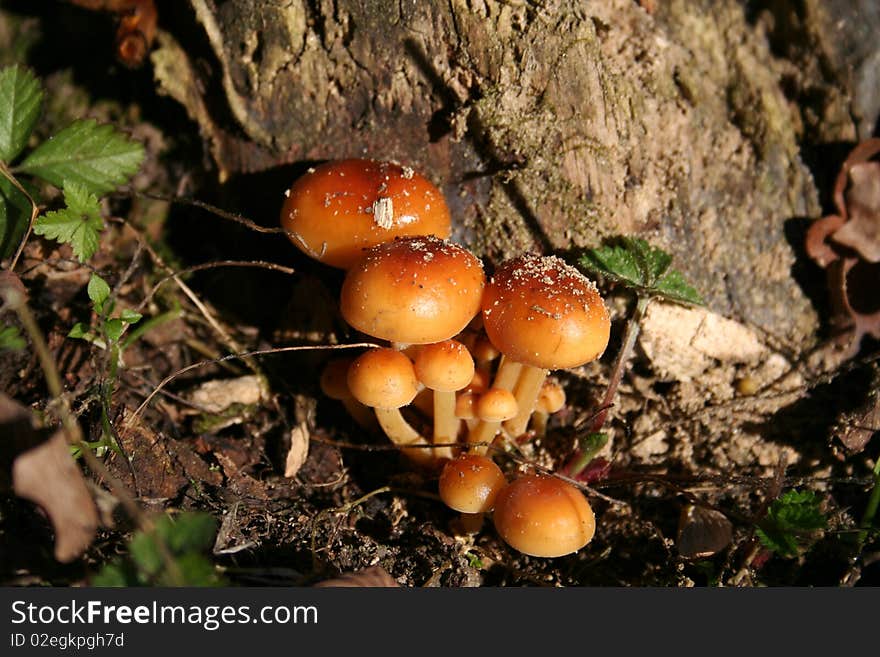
(471, 355)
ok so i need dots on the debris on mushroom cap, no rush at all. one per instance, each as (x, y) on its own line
(338, 209)
(383, 378)
(542, 312)
(544, 516)
(471, 483)
(414, 290)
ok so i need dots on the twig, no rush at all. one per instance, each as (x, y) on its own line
(35, 210)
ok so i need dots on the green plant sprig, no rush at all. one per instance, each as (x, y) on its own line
(646, 270)
(85, 160)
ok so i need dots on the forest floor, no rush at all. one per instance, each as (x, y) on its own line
(694, 478)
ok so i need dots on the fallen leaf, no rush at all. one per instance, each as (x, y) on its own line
(216, 396)
(374, 576)
(862, 232)
(43, 471)
(702, 532)
(299, 450)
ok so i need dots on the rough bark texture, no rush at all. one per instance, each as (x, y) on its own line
(549, 125)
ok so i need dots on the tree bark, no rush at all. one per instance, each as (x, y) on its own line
(548, 125)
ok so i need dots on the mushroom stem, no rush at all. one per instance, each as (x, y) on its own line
(484, 432)
(402, 434)
(528, 387)
(360, 414)
(446, 424)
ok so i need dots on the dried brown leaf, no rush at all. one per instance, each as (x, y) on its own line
(44, 472)
(702, 532)
(374, 576)
(862, 232)
(299, 450)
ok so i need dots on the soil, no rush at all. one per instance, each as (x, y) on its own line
(721, 409)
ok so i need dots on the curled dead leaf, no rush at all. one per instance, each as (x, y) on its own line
(702, 532)
(847, 246)
(299, 450)
(43, 471)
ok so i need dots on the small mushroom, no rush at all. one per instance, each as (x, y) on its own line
(385, 380)
(543, 516)
(334, 384)
(493, 407)
(470, 483)
(338, 209)
(541, 314)
(445, 367)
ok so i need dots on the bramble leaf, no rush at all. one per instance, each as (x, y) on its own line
(634, 263)
(15, 213)
(21, 98)
(79, 224)
(10, 339)
(790, 522)
(97, 157)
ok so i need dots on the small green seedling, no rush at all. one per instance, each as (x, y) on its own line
(792, 523)
(173, 554)
(85, 160)
(634, 264)
(109, 329)
(10, 338)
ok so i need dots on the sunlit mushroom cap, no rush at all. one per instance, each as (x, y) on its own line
(415, 290)
(544, 516)
(340, 208)
(471, 483)
(383, 378)
(542, 312)
(445, 366)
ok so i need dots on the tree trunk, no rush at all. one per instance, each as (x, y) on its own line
(548, 125)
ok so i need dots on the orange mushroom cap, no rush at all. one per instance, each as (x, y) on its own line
(544, 516)
(471, 483)
(383, 378)
(414, 290)
(542, 312)
(340, 208)
(446, 366)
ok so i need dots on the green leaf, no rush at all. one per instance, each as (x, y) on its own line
(130, 316)
(189, 532)
(791, 522)
(15, 213)
(674, 288)
(634, 263)
(80, 330)
(114, 328)
(97, 157)
(79, 224)
(10, 339)
(21, 98)
(98, 290)
(146, 554)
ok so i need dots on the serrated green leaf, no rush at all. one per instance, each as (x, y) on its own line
(790, 522)
(79, 224)
(98, 290)
(130, 316)
(98, 157)
(634, 263)
(10, 339)
(15, 213)
(674, 288)
(21, 98)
